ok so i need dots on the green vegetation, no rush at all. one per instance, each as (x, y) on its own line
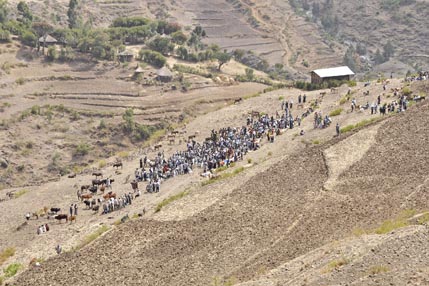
(344, 99)
(223, 176)
(12, 269)
(399, 222)
(93, 236)
(316, 142)
(191, 70)
(82, 149)
(335, 264)
(221, 282)
(377, 269)
(336, 112)
(102, 164)
(20, 81)
(170, 200)
(20, 193)
(6, 253)
(363, 123)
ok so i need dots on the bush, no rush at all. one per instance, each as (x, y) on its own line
(154, 58)
(5, 254)
(82, 149)
(170, 200)
(52, 54)
(336, 112)
(20, 81)
(12, 269)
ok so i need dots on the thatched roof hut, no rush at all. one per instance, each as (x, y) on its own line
(164, 74)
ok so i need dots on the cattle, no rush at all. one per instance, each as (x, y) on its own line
(238, 100)
(55, 210)
(158, 146)
(117, 165)
(72, 218)
(86, 196)
(95, 208)
(60, 217)
(97, 174)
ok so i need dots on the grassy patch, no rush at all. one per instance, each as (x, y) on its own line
(12, 269)
(93, 236)
(102, 164)
(377, 269)
(20, 81)
(335, 264)
(399, 222)
(336, 112)
(5, 254)
(281, 98)
(170, 200)
(316, 142)
(123, 154)
(20, 193)
(344, 99)
(223, 176)
(363, 123)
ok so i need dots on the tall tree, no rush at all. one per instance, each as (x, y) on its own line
(72, 14)
(222, 58)
(3, 11)
(24, 11)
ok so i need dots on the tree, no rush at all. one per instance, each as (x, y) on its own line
(153, 58)
(378, 58)
(128, 117)
(42, 29)
(182, 52)
(179, 38)
(24, 11)
(249, 73)
(29, 38)
(52, 54)
(349, 58)
(162, 45)
(222, 58)
(3, 11)
(388, 50)
(73, 14)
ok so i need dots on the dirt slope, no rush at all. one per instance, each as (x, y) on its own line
(273, 218)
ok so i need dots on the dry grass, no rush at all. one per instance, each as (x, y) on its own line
(223, 176)
(335, 264)
(377, 269)
(5, 254)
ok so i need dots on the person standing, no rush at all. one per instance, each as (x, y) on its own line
(378, 100)
(337, 129)
(304, 98)
(141, 163)
(299, 99)
(71, 209)
(75, 209)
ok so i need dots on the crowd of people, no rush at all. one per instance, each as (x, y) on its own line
(223, 147)
(114, 204)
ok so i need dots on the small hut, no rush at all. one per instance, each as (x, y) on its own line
(338, 73)
(164, 75)
(125, 56)
(138, 70)
(47, 40)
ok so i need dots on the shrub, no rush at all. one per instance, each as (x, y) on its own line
(154, 58)
(82, 149)
(102, 164)
(336, 112)
(52, 54)
(377, 269)
(20, 81)
(12, 269)
(335, 264)
(249, 161)
(5, 254)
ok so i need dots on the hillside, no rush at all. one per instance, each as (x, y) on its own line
(276, 216)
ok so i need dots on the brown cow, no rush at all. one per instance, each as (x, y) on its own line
(109, 195)
(86, 197)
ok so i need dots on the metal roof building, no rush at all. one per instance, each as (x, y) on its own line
(337, 73)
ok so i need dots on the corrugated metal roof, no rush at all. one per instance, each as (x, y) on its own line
(332, 72)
